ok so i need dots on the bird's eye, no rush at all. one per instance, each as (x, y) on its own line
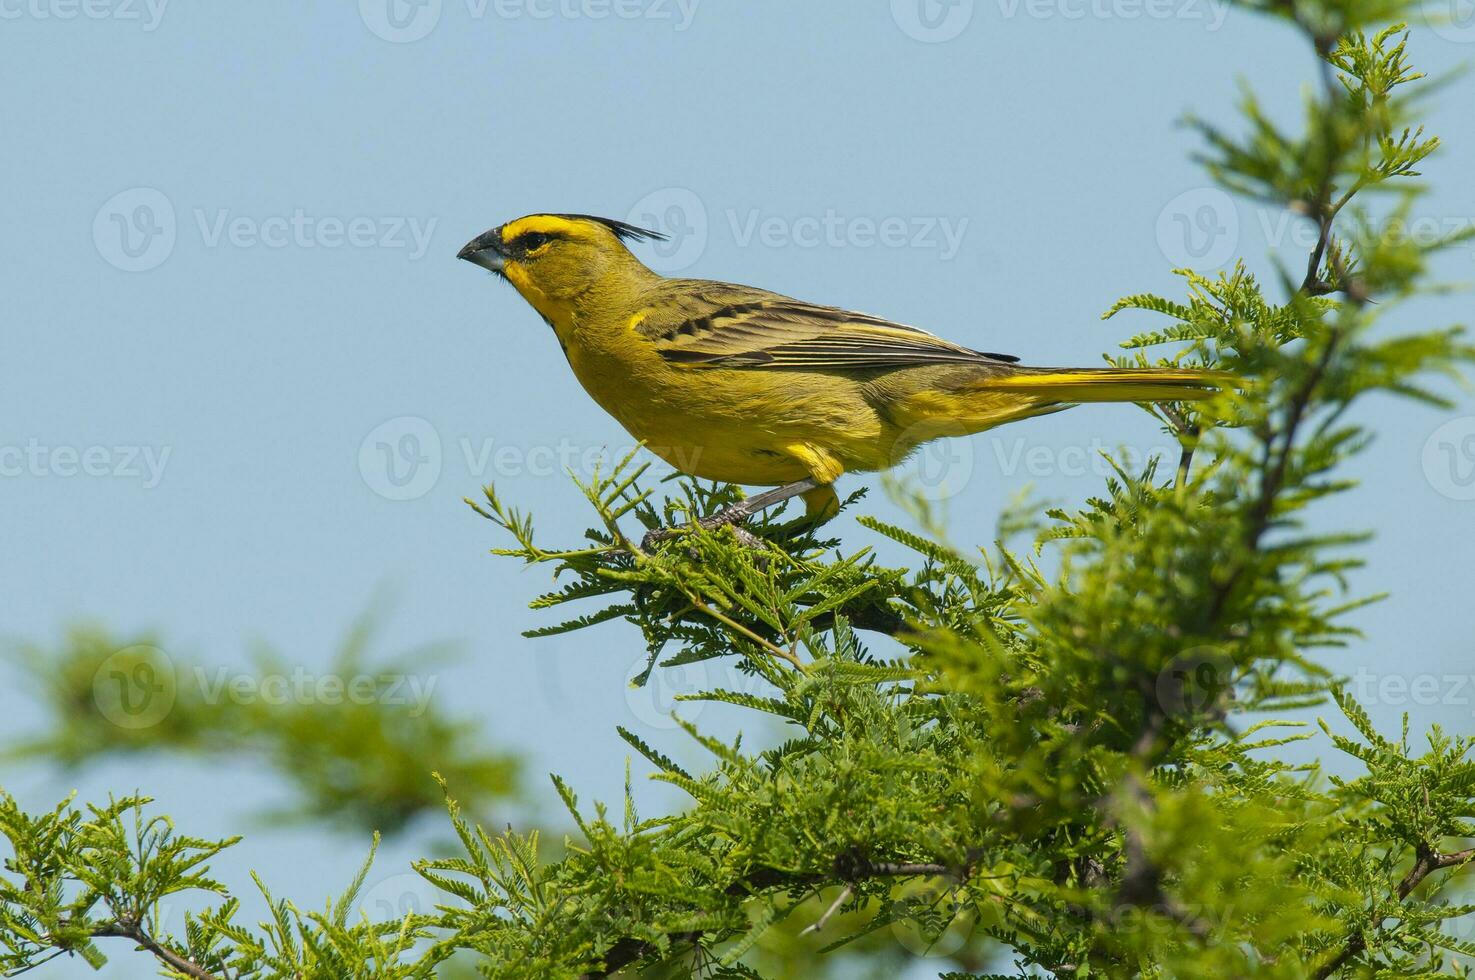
(534, 240)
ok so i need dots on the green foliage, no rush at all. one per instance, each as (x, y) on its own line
(1056, 755)
(65, 866)
(1076, 771)
(76, 877)
(357, 739)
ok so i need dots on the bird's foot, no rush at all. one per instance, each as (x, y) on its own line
(739, 512)
(731, 516)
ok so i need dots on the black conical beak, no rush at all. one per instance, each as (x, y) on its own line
(485, 250)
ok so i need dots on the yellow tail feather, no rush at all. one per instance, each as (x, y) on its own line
(1054, 385)
(1025, 392)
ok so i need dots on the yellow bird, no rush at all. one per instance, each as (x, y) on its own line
(742, 385)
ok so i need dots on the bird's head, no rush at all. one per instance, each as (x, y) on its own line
(553, 258)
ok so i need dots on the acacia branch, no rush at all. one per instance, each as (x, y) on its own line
(123, 929)
(1278, 461)
(848, 869)
(1426, 863)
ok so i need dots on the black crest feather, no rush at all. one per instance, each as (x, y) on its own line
(623, 230)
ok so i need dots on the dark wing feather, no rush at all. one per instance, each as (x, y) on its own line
(701, 324)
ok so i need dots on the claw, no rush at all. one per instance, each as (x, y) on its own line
(748, 539)
(740, 512)
(745, 537)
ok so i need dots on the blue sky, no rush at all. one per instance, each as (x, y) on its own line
(246, 383)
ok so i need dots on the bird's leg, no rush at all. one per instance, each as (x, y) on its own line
(739, 512)
(747, 507)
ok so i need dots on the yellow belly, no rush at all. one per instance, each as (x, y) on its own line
(740, 426)
(719, 452)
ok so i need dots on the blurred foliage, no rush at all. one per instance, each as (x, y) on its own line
(1077, 773)
(356, 739)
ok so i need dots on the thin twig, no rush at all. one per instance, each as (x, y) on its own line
(824, 920)
(1187, 434)
(701, 606)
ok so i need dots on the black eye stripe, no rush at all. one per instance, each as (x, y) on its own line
(530, 240)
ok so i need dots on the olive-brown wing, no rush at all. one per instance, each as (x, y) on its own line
(703, 325)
